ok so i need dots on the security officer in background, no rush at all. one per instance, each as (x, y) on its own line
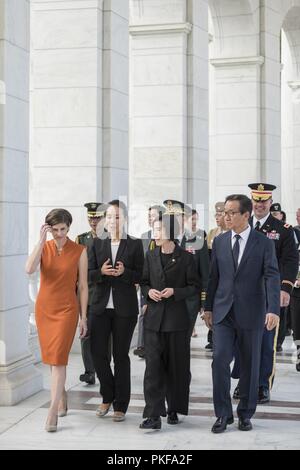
(96, 220)
(212, 234)
(194, 241)
(220, 228)
(287, 256)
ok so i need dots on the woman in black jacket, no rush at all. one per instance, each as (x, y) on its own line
(169, 278)
(115, 266)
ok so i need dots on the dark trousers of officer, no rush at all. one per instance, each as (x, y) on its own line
(167, 375)
(192, 304)
(226, 335)
(87, 353)
(282, 326)
(87, 356)
(267, 361)
(295, 316)
(141, 340)
(114, 388)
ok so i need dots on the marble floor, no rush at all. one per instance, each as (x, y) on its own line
(276, 426)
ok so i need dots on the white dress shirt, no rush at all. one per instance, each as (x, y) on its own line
(114, 251)
(261, 221)
(242, 241)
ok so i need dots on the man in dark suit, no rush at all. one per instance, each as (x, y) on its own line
(282, 236)
(243, 296)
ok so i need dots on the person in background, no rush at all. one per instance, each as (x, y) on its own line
(148, 244)
(95, 216)
(194, 241)
(212, 234)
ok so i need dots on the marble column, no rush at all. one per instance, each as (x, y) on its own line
(79, 112)
(168, 101)
(18, 377)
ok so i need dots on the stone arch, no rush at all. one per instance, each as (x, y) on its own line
(232, 19)
(290, 87)
(291, 27)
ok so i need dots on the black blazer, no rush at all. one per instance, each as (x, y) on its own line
(180, 273)
(124, 287)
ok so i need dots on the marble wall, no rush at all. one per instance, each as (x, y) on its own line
(79, 106)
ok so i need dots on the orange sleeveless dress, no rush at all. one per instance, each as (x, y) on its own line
(57, 306)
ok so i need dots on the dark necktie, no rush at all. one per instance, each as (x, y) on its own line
(257, 226)
(236, 250)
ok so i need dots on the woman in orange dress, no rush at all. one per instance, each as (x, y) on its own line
(64, 266)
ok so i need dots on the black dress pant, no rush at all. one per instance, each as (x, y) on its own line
(295, 314)
(114, 387)
(226, 335)
(167, 375)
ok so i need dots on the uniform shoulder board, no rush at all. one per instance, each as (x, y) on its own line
(287, 225)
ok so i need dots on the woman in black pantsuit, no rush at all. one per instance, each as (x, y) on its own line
(115, 266)
(169, 278)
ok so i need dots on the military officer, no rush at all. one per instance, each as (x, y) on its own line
(95, 214)
(194, 241)
(287, 256)
(220, 228)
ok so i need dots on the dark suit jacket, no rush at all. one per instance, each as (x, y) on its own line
(180, 274)
(199, 248)
(253, 290)
(123, 288)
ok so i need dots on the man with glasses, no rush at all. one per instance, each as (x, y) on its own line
(242, 299)
(287, 257)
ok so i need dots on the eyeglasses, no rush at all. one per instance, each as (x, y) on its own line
(230, 213)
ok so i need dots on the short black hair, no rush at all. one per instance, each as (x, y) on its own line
(171, 226)
(194, 211)
(159, 209)
(245, 202)
(120, 205)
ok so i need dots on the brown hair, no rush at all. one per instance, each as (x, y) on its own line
(59, 216)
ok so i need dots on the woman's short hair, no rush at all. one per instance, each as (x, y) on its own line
(120, 205)
(59, 216)
(170, 225)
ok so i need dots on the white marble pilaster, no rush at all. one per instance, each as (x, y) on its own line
(168, 101)
(115, 175)
(18, 377)
(66, 109)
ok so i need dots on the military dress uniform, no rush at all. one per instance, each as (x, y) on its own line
(94, 210)
(287, 257)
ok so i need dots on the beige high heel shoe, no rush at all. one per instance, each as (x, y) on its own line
(103, 409)
(51, 427)
(63, 410)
